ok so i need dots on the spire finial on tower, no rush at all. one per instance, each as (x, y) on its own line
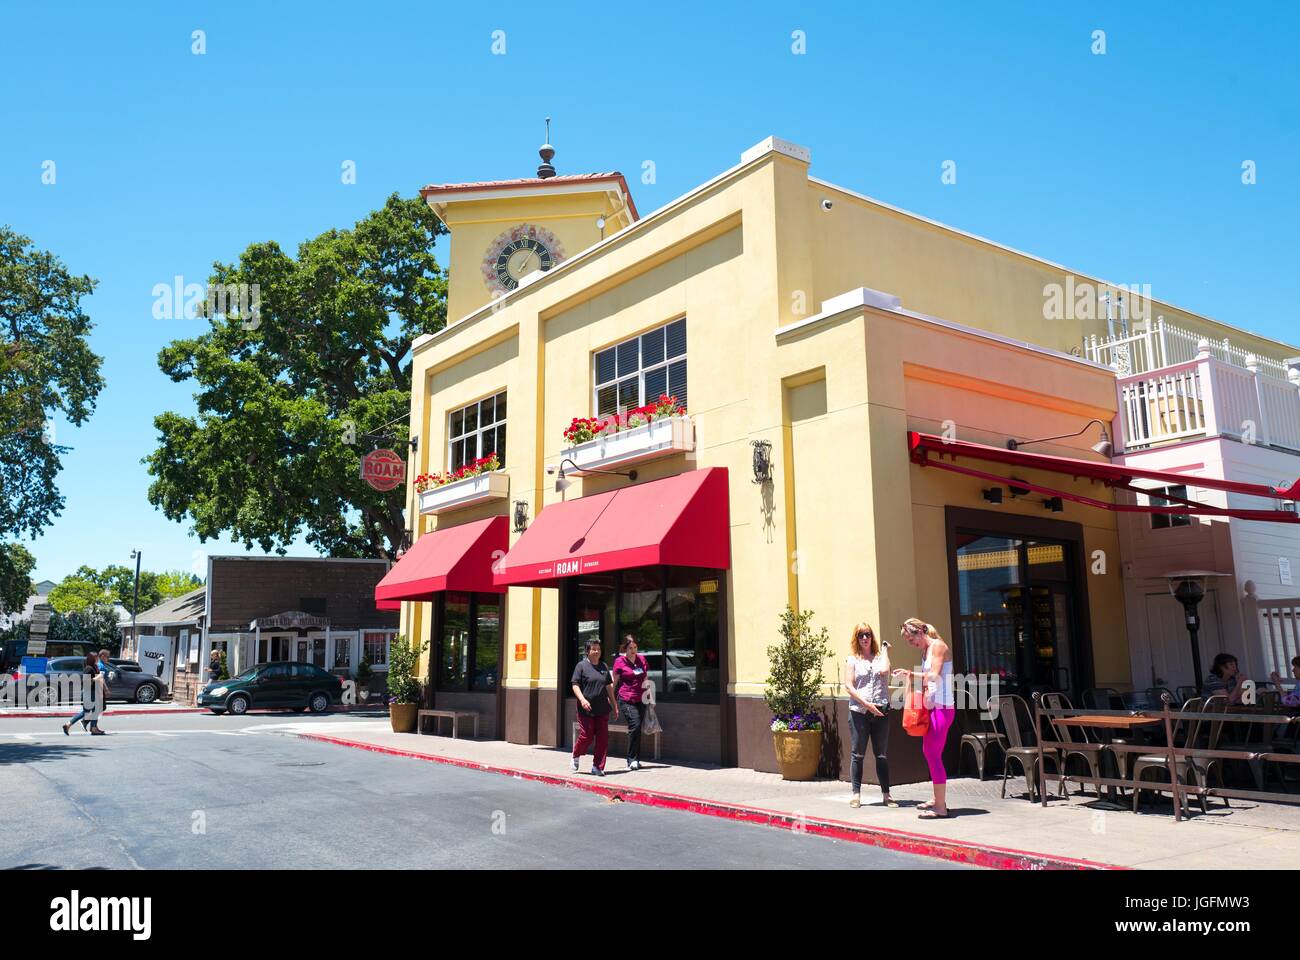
(544, 169)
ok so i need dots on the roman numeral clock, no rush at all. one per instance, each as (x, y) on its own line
(518, 252)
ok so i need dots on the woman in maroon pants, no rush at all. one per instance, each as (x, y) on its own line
(594, 688)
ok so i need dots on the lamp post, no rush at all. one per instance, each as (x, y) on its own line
(135, 602)
(1188, 588)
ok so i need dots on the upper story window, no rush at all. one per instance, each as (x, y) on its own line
(641, 370)
(1160, 521)
(476, 431)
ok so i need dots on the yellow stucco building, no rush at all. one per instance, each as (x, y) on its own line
(802, 326)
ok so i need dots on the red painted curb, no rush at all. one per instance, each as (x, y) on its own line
(106, 713)
(981, 855)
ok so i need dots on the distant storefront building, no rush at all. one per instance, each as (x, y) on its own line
(258, 609)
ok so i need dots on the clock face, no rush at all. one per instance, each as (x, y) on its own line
(517, 253)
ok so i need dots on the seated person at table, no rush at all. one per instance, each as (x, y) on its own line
(1224, 679)
(1291, 699)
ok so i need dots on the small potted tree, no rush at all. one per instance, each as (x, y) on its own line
(403, 688)
(364, 675)
(794, 683)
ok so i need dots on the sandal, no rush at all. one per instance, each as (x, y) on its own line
(925, 805)
(891, 802)
(931, 815)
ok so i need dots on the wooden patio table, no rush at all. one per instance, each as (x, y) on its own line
(1102, 721)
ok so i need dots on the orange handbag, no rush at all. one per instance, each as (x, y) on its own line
(916, 719)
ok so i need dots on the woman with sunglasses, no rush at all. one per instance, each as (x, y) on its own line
(866, 677)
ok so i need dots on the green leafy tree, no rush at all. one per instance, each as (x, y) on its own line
(97, 625)
(79, 591)
(324, 361)
(796, 666)
(46, 368)
(119, 580)
(16, 566)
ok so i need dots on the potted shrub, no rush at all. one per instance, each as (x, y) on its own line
(403, 688)
(364, 675)
(793, 685)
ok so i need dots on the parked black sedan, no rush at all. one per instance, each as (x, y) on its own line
(302, 686)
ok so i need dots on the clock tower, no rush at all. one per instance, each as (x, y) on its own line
(504, 231)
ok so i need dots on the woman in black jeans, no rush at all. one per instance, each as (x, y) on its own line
(866, 677)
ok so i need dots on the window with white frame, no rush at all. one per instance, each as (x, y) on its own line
(1159, 498)
(374, 647)
(641, 370)
(477, 430)
(342, 653)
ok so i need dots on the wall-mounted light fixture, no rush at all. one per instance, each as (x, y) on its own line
(1054, 504)
(1016, 491)
(521, 516)
(762, 460)
(1102, 446)
(563, 483)
(993, 494)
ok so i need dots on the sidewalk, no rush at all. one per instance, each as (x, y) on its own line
(984, 829)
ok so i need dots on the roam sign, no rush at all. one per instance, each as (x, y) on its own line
(383, 469)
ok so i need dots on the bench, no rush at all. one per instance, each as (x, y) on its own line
(619, 728)
(455, 716)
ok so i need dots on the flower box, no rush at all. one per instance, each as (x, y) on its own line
(494, 485)
(659, 438)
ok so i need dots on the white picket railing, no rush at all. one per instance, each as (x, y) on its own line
(1209, 397)
(1274, 628)
(1163, 344)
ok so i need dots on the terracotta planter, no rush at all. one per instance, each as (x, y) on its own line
(797, 753)
(402, 716)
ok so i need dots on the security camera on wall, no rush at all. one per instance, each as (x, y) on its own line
(826, 204)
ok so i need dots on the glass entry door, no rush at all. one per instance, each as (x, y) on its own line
(1017, 610)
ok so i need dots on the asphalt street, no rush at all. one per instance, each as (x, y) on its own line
(202, 792)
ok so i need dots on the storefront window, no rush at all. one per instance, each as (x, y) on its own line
(641, 370)
(477, 430)
(673, 614)
(374, 647)
(468, 654)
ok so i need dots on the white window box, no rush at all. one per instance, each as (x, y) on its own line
(463, 493)
(659, 438)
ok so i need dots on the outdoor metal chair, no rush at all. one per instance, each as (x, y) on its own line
(1136, 700)
(986, 739)
(1022, 742)
(1194, 771)
(1102, 698)
(1072, 742)
(1183, 694)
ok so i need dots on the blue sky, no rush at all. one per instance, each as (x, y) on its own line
(1125, 165)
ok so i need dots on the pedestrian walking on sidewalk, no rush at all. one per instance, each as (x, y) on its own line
(92, 697)
(630, 673)
(593, 686)
(866, 677)
(937, 692)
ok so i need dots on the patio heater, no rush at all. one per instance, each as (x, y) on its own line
(1188, 588)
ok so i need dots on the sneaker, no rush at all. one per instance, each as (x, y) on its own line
(574, 765)
(855, 802)
(598, 771)
(634, 764)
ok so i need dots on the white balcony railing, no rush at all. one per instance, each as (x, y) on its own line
(659, 438)
(482, 487)
(1162, 344)
(1208, 397)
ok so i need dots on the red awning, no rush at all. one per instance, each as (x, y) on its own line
(449, 558)
(930, 450)
(678, 521)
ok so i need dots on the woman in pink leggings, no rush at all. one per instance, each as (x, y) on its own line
(936, 680)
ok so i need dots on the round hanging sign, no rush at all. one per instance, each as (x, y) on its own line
(383, 469)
